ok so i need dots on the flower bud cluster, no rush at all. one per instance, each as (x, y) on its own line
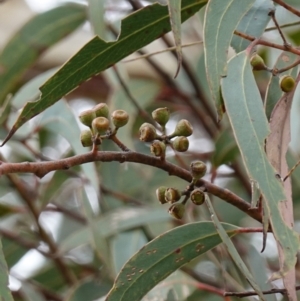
(182, 130)
(97, 119)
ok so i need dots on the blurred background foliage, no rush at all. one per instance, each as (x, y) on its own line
(66, 236)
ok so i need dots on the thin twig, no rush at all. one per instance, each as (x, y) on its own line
(283, 26)
(288, 7)
(288, 67)
(40, 169)
(252, 293)
(285, 43)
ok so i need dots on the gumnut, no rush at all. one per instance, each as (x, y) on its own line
(87, 117)
(181, 144)
(161, 116)
(287, 83)
(197, 196)
(198, 169)
(158, 148)
(172, 195)
(101, 110)
(257, 62)
(177, 210)
(119, 118)
(147, 132)
(100, 125)
(183, 128)
(160, 194)
(86, 138)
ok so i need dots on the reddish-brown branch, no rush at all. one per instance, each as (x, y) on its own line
(40, 169)
(288, 7)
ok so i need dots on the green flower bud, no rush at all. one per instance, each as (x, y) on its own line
(147, 132)
(87, 117)
(160, 194)
(119, 118)
(161, 116)
(183, 128)
(177, 210)
(158, 149)
(198, 169)
(181, 144)
(101, 110)
(100, 125)
(287, 83)
(257, 62)
(86, 138)
(197, 196)
(172, 195)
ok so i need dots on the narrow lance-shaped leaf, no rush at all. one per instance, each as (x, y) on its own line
(220, 21)
(260, 12)
(137, 30)
(175, 19)
(32, 39)
(246, 114)
(232, 250)
(162, 256)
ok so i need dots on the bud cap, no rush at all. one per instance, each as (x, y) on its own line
(101, 110)
(257, 62)
(147, 132)
(183, 128)
(198, 169)
(161, 116)
(197, 196)
(119, 118)
(181, 144)
(158, 148)
(287, 83)
(87, 117)
(177, 210)
(172, 195)
(160, 194)
(100, 125)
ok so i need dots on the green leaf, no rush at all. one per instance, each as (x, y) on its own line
(162, 256)
(5, 292)
(232, 250)
(175, 19)
(246, 114)
(137, 30)
(253, 23)
(274, 93)
(220, 21)
(34, 38)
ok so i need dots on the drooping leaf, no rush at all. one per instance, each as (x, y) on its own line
(175, 19)
(5, 292)
(162, 256)
(276, 147)
(220, 21)
(258, 12)
(233, 251)
(32, 39)
(274, 93)
(97, 55)
(250, 127)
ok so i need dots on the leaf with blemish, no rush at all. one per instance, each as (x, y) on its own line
(220, 21)
(175, 19)
(274, 93)
(137, 30)
(276, 147)
(249, 123)
(41, 32)
(162, 256)
(253, 23)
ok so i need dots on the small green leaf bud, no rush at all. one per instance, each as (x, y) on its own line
(101, 110)
(100, 125)
(158, 148)
(160, 194)
(197, 196)
(86, 138)
(181, 144)
(147, 132)
(198, 169)
(177, 210)
(257, 62)
(183, 128)
(119, 118)
(87, 117)
(287, 83)
(172, 195)
(161, 116)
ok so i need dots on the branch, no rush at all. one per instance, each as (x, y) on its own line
(40, 169)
